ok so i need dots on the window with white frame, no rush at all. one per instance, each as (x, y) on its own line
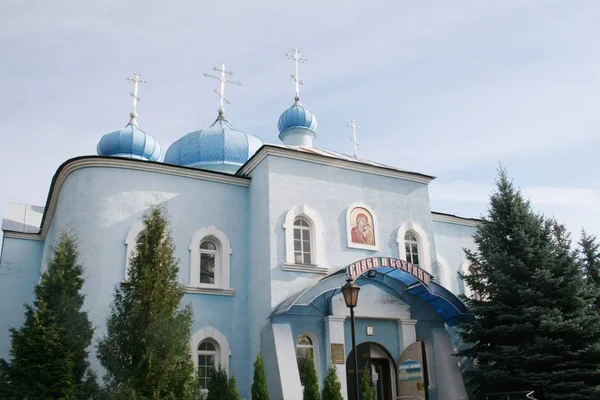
(304, 355)
(302, 247)
(411, 244)
(209, 349)
(208, 359)
(210, 260)
(304, 241)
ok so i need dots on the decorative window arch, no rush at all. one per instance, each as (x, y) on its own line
(130, 242)
(307, 344)
(445, 274)
(361, 227)
(221, 352)
(304, 241)
(200, 252)
(465, 269)
(422, 243)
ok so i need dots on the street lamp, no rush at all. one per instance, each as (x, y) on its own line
(350, 291)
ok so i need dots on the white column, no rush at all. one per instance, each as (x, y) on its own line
(286, 361)
(407, 329)
(334, 333)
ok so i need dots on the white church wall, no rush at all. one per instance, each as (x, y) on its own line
(450, 239)
(259, 287)
(100, 205)
(329, 191)
(19, 273)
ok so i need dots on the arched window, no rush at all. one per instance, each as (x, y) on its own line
(302, 241)
(411, 244)
(210, 260)
(209, 349)
(208, 256)
(467, 269)
(208, 359)
(304, 355)
(445, 274)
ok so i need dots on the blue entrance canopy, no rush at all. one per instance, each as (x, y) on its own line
(316, 299)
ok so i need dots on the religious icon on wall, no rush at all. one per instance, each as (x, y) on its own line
(361, 228)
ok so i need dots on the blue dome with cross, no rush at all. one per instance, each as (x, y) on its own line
(219, 147)
(129, 142)
(297, 125)
(297, 116)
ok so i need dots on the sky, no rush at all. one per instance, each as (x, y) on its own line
(451, 89)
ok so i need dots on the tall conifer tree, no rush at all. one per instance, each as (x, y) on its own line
(49, 352)
(590, 259)
(146, 350)
(222, 387)
(532, 330)
(259, 384)
(366, 384)
(311, 382)
(332, 387)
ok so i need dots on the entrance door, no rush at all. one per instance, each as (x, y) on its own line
(382, 368)
(380, 371)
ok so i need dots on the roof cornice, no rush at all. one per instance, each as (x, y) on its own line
(266, 150)
(453, 219)
(74, 164)
(22, 235)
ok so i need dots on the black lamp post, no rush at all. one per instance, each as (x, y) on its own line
(350, 292)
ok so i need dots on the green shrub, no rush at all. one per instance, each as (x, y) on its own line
(311, 384)
(367, 384)
(332, 388)
(259, 384)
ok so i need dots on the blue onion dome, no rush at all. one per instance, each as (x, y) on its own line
(219, 147)
(297, 125)
(130, 142)
(297, 116)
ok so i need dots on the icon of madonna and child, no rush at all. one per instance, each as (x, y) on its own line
(362, 231)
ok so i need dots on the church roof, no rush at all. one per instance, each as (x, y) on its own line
(218, 143)
(332, 156)
(130, 142)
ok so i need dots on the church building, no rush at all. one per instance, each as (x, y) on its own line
(266, 236)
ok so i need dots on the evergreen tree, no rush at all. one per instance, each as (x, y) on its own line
(259, 385)
(366, 385)
(233, 391)
(219, 387)
(576, 333)
(532, 329)
(146, 349)
(590, 259)
(311, 383)
(332, 388)
(49, 352)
